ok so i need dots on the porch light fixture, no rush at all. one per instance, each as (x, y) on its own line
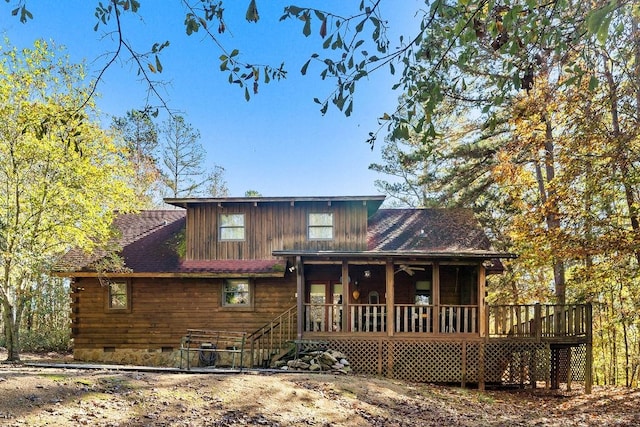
(292, 269)
(356, 292)
(367, 274)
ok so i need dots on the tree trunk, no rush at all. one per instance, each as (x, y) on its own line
(622, 160)
(11, 327)
(550, 207)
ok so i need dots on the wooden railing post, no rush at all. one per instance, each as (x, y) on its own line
(588, 375)
(537, 315)
(487, 320)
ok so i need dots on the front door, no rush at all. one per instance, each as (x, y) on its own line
(324, 309)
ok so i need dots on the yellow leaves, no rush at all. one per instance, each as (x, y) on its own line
(61, 174)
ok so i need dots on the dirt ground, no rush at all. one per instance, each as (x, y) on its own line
(35, 396)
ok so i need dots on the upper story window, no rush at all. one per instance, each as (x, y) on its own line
(320, 226)
(231, 226)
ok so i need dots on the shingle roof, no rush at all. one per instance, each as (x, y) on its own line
(148, 240)
(426, 231)
(234, 266)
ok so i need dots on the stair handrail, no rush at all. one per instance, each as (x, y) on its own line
(269, 329)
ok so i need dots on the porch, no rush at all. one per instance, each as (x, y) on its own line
(426, 320)
(518, 345)
(525, 322)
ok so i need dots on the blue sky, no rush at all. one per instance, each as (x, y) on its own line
(279, 143)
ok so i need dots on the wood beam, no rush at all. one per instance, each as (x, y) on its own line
(435, 289)
(482, 278)
(300, 296)
(390, 297)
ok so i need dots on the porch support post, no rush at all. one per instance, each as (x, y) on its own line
(390, 297)
(436, 297)
(588, 375)
(300, 294)
(346, 291)
(482, 278)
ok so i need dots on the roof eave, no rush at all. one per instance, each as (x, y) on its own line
(184, 202)
(182, 275)
(399, 254)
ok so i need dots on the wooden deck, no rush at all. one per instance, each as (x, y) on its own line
(520, 344)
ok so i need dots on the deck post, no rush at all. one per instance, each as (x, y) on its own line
(482, 279)
(555, 367)
(569, 373)
(537, 314)
(346, 291)
(487, 318)
(463, 380)
(390, 297)
(300, 299)
(481, 365)
(435, 289)
(588, 375)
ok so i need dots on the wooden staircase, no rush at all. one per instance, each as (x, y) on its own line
(273, 340)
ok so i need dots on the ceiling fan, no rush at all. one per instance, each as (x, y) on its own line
(410, 270)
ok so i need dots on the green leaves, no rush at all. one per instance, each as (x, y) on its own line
(345, 61)
(599, 20)
(306, 30)
(25, 15)
(252, 12)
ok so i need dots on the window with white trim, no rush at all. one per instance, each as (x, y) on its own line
(320, 226)
(231, 227)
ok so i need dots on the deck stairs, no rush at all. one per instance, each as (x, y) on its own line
(273, 340)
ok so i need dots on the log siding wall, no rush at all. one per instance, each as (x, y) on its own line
(273, 226)
(163, 309)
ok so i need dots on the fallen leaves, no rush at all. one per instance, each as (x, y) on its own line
(38, 397)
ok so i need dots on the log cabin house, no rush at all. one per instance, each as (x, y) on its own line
(401, 292)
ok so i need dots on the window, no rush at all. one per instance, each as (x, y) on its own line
(320, 226)
(423, 292)
(118, 296)
(236, 293)
(231, 226)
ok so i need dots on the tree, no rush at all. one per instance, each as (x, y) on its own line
(140, 137)
(252, 193)
(216, 184)
(182, 158)
(61, 176)
(453, 36)
(555, 170)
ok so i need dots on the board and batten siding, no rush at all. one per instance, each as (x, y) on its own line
(273, 226)
(163, 309)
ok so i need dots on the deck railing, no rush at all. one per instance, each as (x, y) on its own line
(322, 317)
(412, 318)
(533, 321)
(368, 318)
(538, 321)
(462, 319)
